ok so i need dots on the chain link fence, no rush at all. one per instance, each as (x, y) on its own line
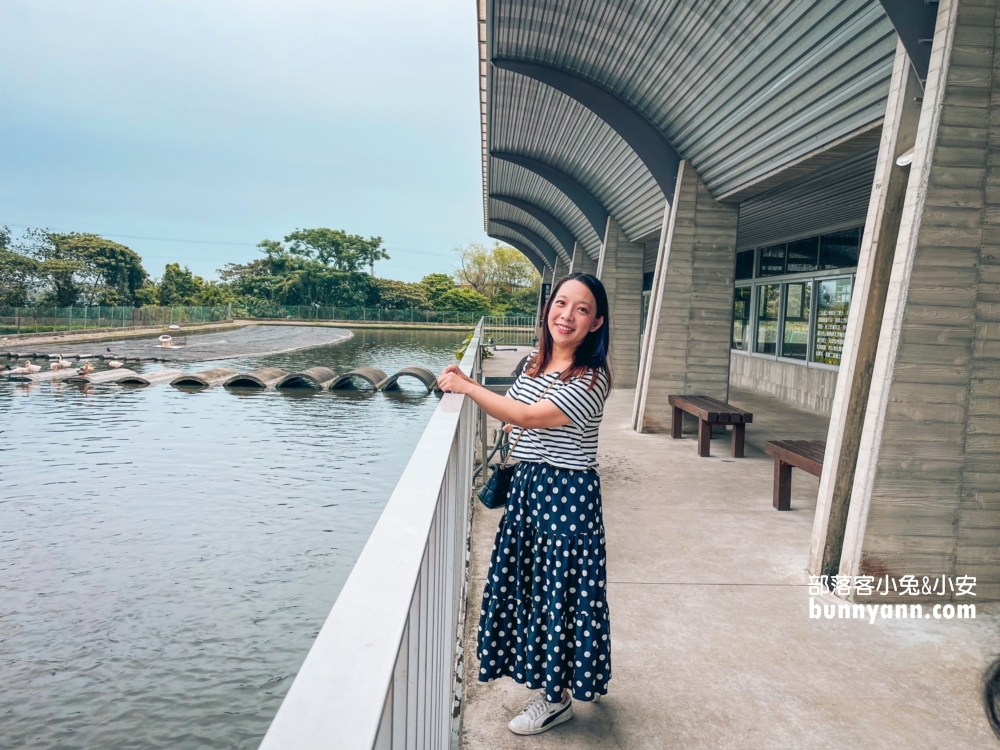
(368, 314)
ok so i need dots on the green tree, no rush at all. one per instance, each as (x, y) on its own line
(17, 273)
(400, 295)
(85, 268)
(495, 272)
(179, 286)
(436, 285)
(337, 248)
(464, 300)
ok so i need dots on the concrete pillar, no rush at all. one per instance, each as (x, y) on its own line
(864, 323)
(926, 490)
(582, 263)
(560, 270)
(620, 269)
(686, 346)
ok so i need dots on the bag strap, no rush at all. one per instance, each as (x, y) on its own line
(503, 464)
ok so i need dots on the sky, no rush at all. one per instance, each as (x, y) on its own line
(191, 131)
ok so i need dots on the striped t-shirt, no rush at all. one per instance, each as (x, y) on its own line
(572, 446)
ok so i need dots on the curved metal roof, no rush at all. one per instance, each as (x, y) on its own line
(741, 88)
(500, 211)
(520, 183)
(535, 120)
(522, 243)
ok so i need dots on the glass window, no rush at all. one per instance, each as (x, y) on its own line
(840, 249)
(772, 261)
(802, 255)
(798, 305)
(833, 301)
(767, 318)
(741, 318)
(645, 311)
(744, 264)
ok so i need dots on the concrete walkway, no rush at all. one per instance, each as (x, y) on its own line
(712, 642)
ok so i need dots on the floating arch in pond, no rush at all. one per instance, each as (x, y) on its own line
(104, 376)
(151, 378)
(205, 379)
(422, 374)
(371, 375)
(315, 378)
(265, 377)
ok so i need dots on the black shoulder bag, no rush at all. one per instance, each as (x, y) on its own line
(493, 493)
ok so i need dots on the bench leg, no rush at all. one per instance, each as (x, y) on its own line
(676, 423)
(782, 485)
(704, 438)
(739, 438)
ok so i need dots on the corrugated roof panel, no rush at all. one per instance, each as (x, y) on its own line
(832, 198)
(510, 179)
(497, 230)
(501, 210)
(532, 119)
(738, 87)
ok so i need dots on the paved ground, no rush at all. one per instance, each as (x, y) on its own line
(251, 340)
(712, 643)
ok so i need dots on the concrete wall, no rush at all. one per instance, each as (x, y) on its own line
(582, 262)
(620, 269)
(686, 350)
(809, 387)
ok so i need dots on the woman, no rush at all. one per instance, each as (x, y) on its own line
(544, 618)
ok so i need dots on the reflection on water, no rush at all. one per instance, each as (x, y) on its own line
(167, 557)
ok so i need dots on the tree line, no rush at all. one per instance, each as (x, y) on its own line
(324, 267)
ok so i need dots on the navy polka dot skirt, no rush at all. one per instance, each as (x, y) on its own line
(544, 619)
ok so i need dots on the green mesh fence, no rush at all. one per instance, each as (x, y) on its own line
(58, 319)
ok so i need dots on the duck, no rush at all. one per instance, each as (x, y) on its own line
(16, 370)
(59, 364)
(31, 368)
(86, 369)
(114, 364)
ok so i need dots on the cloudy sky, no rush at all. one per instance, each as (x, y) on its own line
(190, 131)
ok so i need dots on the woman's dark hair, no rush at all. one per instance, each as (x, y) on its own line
(592, 354)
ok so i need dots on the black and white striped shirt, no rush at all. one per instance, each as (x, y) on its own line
(572, 446)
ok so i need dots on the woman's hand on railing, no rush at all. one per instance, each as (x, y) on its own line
(453, 380)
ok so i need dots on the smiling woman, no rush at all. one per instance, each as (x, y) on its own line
(544, 618)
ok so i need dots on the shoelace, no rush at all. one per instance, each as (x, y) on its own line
(537, 707)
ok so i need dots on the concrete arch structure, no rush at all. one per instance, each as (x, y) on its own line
(544, 248)
(501, 211)
(425, 376)
(649, 144)
(348, 381)
(562, 234)
(205, 379)
(530, 187)
(583, 199)
(518, 243)
(315, 378)
(149, 378)
(266, 377)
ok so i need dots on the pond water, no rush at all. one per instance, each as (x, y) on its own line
(167, 557)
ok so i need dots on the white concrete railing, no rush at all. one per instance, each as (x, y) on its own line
(381, 671)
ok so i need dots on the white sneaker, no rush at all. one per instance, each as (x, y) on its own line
(540, 716)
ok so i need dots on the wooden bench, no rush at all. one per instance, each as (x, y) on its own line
(801, 454)
(709, 411)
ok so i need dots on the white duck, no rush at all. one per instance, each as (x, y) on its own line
(16, 370)
(32, 368)
(114, 364)
(59, 364)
